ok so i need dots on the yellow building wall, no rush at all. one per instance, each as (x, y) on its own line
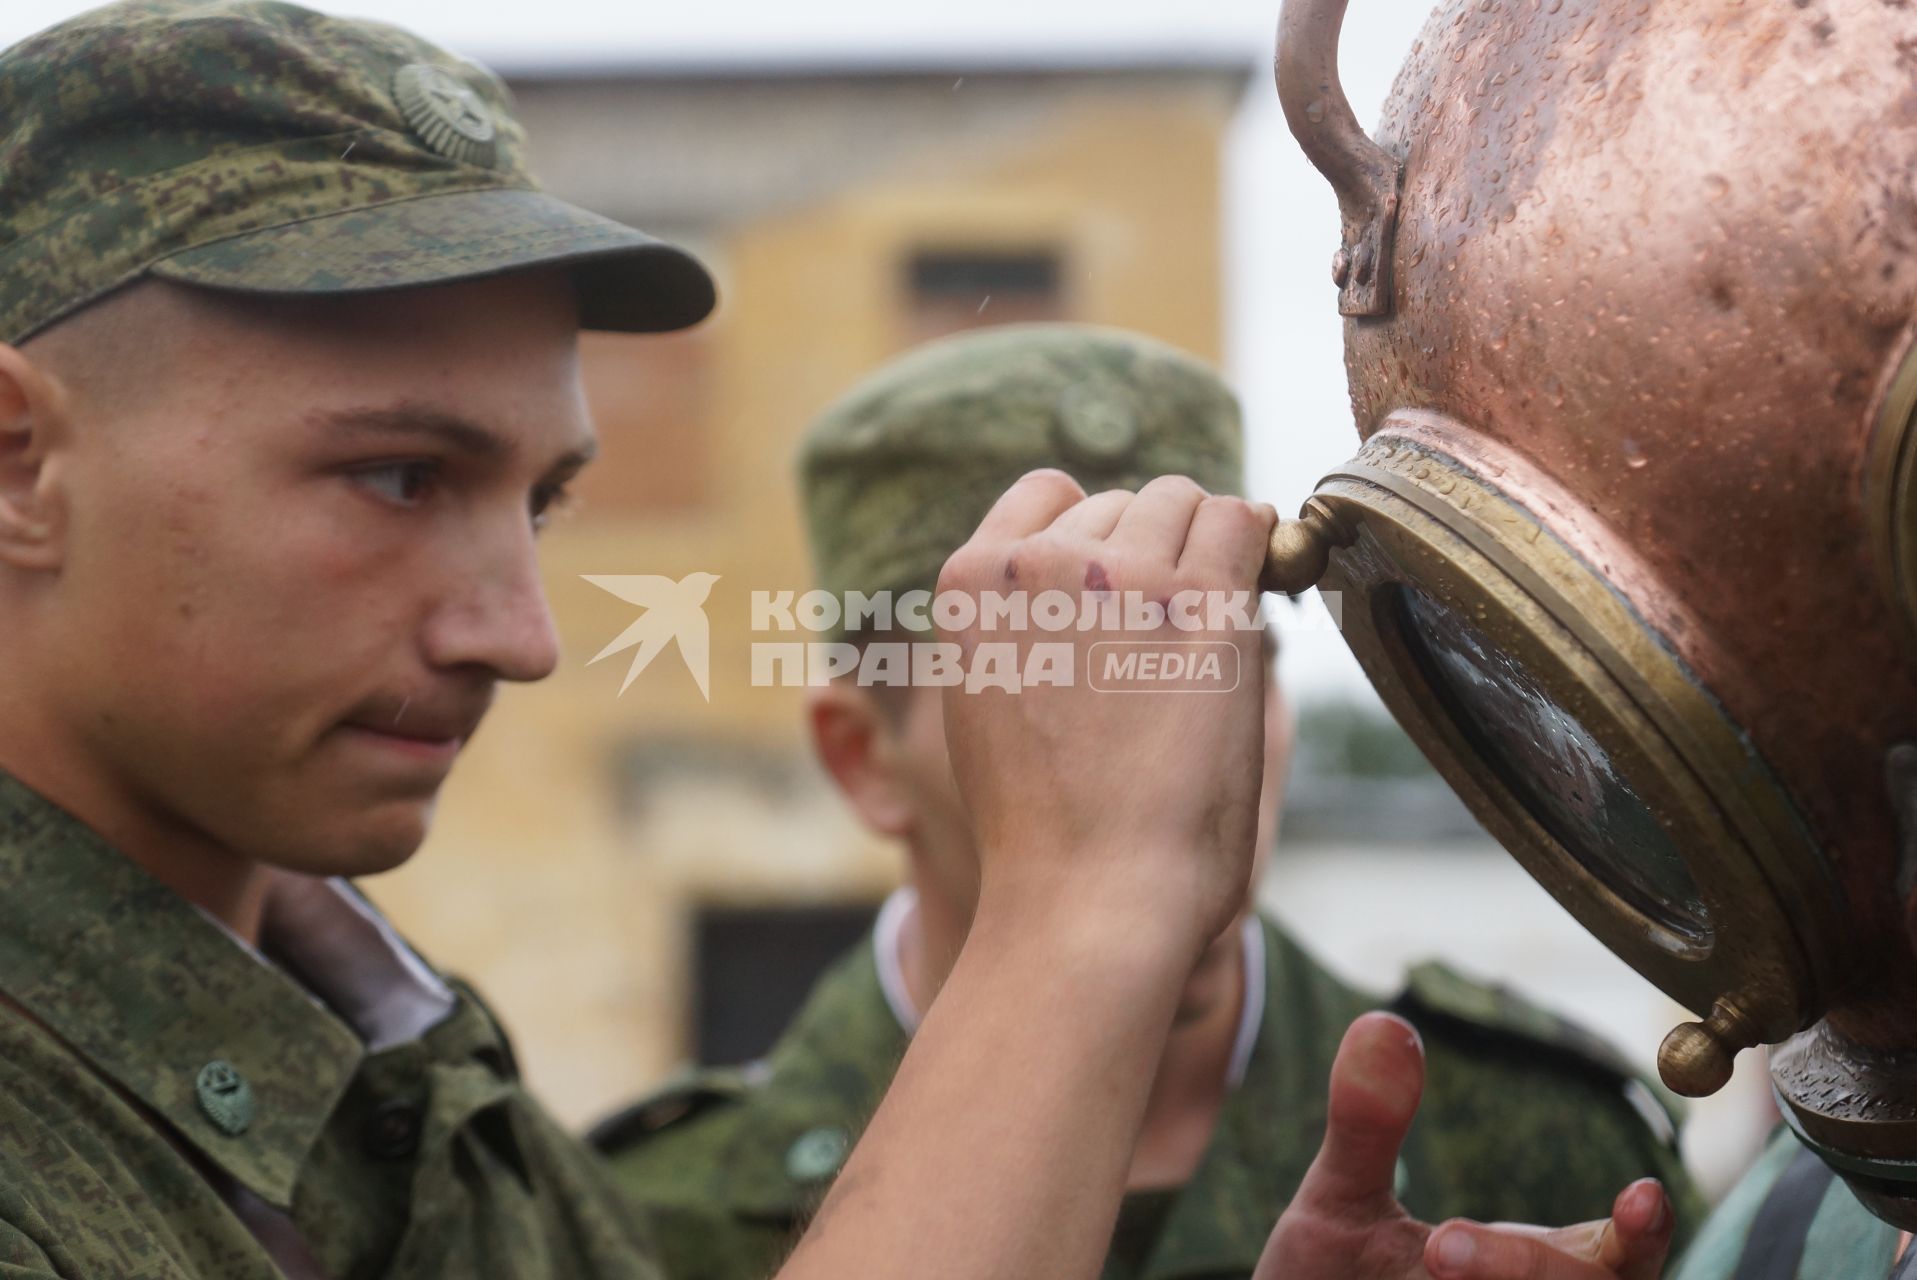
(567, 904)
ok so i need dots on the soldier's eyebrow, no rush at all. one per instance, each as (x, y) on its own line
(448, 428)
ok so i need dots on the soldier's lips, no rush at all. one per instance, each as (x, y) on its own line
(408, 746)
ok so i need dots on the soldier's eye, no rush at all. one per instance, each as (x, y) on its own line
(547, 499)
(401, 483)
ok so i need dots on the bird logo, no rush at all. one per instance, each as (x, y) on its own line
(674, 611)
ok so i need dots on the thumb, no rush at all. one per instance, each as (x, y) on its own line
(1640, 1232)
(1376, 1083)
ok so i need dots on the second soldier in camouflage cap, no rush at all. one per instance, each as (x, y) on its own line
(895, 477)
(259, 147)
(897, 473)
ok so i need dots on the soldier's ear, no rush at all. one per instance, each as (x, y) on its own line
(34, 419)
(857, 743)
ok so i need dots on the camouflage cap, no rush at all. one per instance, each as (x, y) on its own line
(260, 147)
(897, 474)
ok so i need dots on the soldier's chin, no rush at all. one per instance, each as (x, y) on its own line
(384, 841)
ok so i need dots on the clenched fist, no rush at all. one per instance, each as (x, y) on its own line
(1136, 806)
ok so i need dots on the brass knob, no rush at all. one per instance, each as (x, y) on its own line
(1696, 1058)
(1300, 550)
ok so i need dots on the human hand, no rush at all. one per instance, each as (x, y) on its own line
(1136, 810)
(1344, 1223)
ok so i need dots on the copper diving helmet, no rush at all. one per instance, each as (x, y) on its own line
(1630, 544)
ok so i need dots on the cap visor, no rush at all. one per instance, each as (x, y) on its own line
(628, 281)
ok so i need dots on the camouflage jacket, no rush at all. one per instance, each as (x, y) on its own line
(1790, 1218)
(1524, 1119)
(175, 1106)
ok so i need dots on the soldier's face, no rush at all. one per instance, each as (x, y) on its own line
(297, 554)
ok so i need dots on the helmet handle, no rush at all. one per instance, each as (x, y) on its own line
(1363, 174)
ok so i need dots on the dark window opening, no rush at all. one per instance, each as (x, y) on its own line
(952, 290)
(754, 966)
(945, 275)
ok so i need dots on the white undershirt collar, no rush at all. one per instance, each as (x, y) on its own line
(344, 955)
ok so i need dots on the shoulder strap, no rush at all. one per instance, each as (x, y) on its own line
(1491, 1006)
(1775, 1246)
(688, 1094)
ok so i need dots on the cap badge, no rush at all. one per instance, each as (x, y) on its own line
(1096, 423)
(445, 113)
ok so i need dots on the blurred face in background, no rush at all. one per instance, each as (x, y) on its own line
(885, 747)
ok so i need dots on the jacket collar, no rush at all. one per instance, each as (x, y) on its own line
(832, 1067)
(814, 1093)
(151, 992)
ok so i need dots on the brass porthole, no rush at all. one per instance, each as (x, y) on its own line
(1586, 746)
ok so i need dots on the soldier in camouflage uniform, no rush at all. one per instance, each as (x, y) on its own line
(288, 381)
(1524, 1117)
(225, 1065)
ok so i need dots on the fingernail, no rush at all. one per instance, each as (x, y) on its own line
(1456, 1249)
(1652, 1206)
